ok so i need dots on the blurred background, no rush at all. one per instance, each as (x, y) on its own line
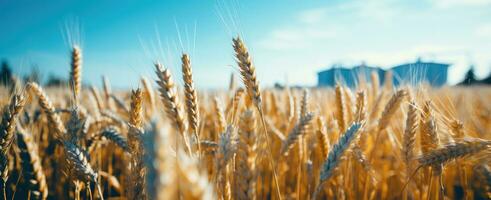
(303, 43)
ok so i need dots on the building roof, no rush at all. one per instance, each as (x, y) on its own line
(419, 62)
(337, 67)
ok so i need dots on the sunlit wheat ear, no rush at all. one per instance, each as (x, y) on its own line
(452, 151)
(7, 128)
(136, 108)
(74, 126)
(457, 128)
(76, 70)
(9, 121)
(363, 161)
(340, 108)
(111, 134)
(304, 103)
(246, 154)
(409, 136)
(429, 136)
(390, 109)
(247, 71)
(191, 96)
(335, 155)
(296, 132)
(78, 163)
(361, 104)
(227, 146)
(53, 118)
(322, 139)
(169, 97)
(31, 165)
(221, 123)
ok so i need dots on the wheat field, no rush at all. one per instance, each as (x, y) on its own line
(164, 141)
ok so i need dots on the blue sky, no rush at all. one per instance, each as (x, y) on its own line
(288, 39)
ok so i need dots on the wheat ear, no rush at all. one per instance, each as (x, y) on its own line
(110, 133)
(137, 188)
(246, 154)
(227, 147)
(452, 151)
(361, 104)
(335, 155)
(304, 103)
(7, 128)
(53, 118)
(220, 118)
(296, 132)
(32, 170)
(409, 136)
(429, 137)
(9, 120)
(191, 96)
(390, 109)
(322, 139)
(248, 73)
(340, 108)
(169, 97)
(76, 70)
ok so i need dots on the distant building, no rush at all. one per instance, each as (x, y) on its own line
(410, 73)
(350, 76)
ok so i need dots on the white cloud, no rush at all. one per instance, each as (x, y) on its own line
(297, 37)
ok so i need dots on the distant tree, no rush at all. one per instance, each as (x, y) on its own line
(5, 74)
(54, 81)
(469, 78)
